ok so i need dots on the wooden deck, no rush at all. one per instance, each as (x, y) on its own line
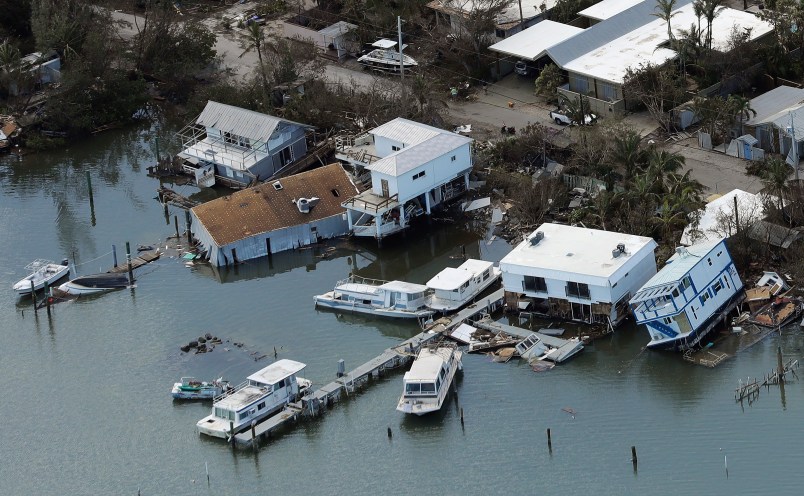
(727, 344)
(142, 259)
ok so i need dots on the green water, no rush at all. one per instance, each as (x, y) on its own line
(86, 408)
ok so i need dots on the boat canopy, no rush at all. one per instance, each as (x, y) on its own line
(386, 44)
(404, 287)
(450, 279)
(277, 371)
(428, 365)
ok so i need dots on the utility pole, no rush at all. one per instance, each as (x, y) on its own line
(521, 18)
(399, 34)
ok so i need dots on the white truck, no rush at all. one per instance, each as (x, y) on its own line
(562, 119)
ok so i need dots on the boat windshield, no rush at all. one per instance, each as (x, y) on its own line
(420, 388)
(225, 414)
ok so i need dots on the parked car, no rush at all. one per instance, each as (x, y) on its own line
(523, 69)
(562, 119)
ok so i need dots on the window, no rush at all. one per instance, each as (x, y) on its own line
(726, 280)
(577, 289)
(675, 292)
(717, 287)
(704, 297)
(685, 283)
(499, 33)
(710, 261)
(720, 253)
(453, 158)
(693, 313)
(438, 384)
(428, 388)
(417, 176)
(412, 388)
(531, 283)
(486, 274)
(261, 406)
(667, 320)
(395, 148)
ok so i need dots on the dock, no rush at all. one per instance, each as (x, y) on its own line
(317, 402)
(565, 347)
(727, 344)
(143, 259)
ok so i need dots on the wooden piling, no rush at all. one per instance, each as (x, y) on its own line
(128, 264)
(89, 185)
(114, 254)
(634, 456)
(206, 467)
(176, 223)
(187, 224)
(390, 434)
(231, 433)
(549, 439)
(779, 365)
(461, 416)
(33, 295)
(253, 435)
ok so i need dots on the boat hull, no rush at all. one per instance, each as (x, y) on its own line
(77, 289)
(205, 392)
(23, 287)
(329, 301)
(216, 427)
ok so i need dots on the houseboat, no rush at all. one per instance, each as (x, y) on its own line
(429, 378)
(191, 388)
(384, 298)
(683, 302)
(385, 58)
(539, 346)
(455, 287)
(41, 273)
(263, 394)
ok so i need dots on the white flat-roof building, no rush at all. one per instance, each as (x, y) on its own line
(576, 273)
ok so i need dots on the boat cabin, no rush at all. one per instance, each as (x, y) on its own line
(263, 393)
(427, 375)
(454, 287)
(393, 294)
(531, 347)
(697, 287)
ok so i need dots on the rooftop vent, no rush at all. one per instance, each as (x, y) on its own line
(306, 204)
(618, 251)
(537, 236)
(277, 185)
(681, 251)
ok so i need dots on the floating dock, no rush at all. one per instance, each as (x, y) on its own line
(143, 259)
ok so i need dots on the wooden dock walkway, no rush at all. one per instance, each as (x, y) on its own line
(136, 262)
(488, 304)
(316, 402)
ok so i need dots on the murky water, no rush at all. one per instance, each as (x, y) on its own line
(86, 407)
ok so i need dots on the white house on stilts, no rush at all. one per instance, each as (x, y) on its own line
(414, 169)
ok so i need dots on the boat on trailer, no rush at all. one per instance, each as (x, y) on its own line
(385, 58)
(41, 272)
(429, 379)
(191, 388)
(95, 283)
(262, 394)
(453, 288)
(375, 297)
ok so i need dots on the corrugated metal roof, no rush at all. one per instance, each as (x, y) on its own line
(681, 263)
(241, 122)
(264, 208)
(607, 8)
(411, 157)
(532, 43)
(530, 8)
(770, 104)
(406, 131)
(337, 29)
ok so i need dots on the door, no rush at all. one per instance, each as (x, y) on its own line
(384, 186)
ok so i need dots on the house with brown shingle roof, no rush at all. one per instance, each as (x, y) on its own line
(291, 212)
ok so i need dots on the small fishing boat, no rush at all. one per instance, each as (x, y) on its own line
(262, 394)
(384, 298)
(453, 288)
(385, 58)
(42, 272)
(191, 388)
(95, 283)
(429, 378)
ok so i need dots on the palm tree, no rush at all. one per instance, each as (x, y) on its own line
(253, 39)
(628, 153)
(671, 217)
(665, 12)
(774, 179)
(662, 164)
(711, 9)
(10, 64)
(742, 109)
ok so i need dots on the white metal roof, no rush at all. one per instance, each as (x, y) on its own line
(578, 254)
(406, 131)
(530, 8)
(609, 8)
(384, 43)
(606, 50)
(716, 221)
(452, 278)
(403, 287)
(774, 103)
(428, 364)
(411, 157)
(532, 43)
(679, 264)
(277, 371)
(241, 122)
(338, 28)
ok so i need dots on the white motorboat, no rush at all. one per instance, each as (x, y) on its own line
(191, 388)
(455, 287)
(538, 346)
(384, 298)
(263, 394)
(42, 272)
(429, 378)
(385, 58)
(95, 283)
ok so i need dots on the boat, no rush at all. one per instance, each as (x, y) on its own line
(191, 388)
(683, 303)
(262, 394)
(453, 288)
(429, 378)
(42, 272)
(538, 346)
(95, 283)
(385, 58)
(779, 312)
(384, 298)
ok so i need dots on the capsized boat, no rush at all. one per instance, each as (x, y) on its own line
(384, 298)
(191, 388)
(538, 347)
(41, 272)
(453, 288)
(386, 59)
(429, 378)
(95, 283)
(262, 394)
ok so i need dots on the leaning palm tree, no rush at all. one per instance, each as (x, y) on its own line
(254, 39)
(665, 12)
(741, 107)
(711, 9)
(774, 179)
